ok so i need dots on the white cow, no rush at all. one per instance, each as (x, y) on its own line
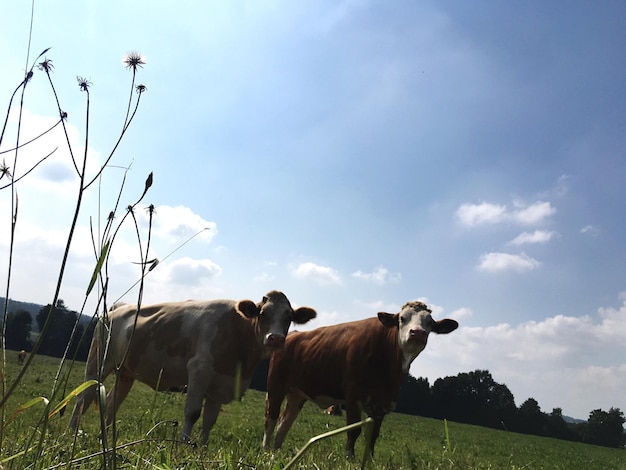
(213, 347)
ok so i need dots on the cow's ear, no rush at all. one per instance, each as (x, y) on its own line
(248, 309)
(388, 319)
(445, 326)
(303, 314)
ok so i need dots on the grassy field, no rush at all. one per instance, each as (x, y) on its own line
(147, 437)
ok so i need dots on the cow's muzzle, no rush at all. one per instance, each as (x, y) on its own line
(418, 335)
(274, 341)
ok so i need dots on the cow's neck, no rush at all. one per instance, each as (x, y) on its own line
(243, 354)
(404, 360)
(407, 360)
(396, 355)
(253, 354)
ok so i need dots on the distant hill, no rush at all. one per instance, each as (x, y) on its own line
(33, 309)
(569, 419)
(16, 305)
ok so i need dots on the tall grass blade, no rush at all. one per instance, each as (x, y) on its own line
(26, 406)
(98, 268)
(74, 393)
(445, 428)
(14, 456)
(366, 422)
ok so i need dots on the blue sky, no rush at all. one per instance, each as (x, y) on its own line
(355, 155)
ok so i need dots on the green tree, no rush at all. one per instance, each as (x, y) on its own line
(414, 397)
(18, 330)
(605, 428)
(82, 350)
(557, 427)
(530, 418)
(62, 323)
(474, 398)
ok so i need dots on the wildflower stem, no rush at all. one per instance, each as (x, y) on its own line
(15, 180)
(67, 139)
(119, 140)
(130, 99)
(33, 139)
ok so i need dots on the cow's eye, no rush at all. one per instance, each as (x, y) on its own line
(402, 319)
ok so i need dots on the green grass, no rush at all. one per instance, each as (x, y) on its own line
(147, 417)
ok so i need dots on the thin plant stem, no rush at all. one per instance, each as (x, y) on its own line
(15, 180)
(67, 138)
(119, 140)
(34, 138)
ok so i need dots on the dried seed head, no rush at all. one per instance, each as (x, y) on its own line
(132, 60)
(83, 83)
(46, 65)
(4, 170)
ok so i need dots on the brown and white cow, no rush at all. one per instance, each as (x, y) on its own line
(213, 347)
(359, 364)
(21, 356)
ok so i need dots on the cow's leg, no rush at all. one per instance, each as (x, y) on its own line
(82, 404)
(353, 414)
(117, 395)
(211, 411)
(85, 398)
(197, 386)
(273, 402)
(193, 408)
(375, 431)
(295, 402)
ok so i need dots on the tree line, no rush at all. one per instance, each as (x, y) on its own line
(472, 398)
(64, 324)
(476, 398)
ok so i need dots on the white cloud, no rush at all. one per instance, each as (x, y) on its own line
(590, 230)
(497, 262)
(533, 214)
(375, 306)
(483, 213)
(320, 274)
(189, 272)
(472, 215)
(57, 172)
(180, 279)
(614, 320)
(380, 276)
(556, 360)
(461, 313)
(264, 277)
(323, 318)
(538, 236)
(178, 224)
(562, 185)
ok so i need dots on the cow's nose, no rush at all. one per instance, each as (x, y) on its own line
(275, 340)
(418, 334)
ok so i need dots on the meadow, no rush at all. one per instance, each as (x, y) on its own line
(147, 437)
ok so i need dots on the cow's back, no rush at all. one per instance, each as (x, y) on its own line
(166, 336)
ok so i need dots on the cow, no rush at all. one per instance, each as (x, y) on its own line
(359, 365)
(212, 347)
(333, 410)
(21, 356)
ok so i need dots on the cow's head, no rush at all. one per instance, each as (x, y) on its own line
(414, 324)
(274, 316)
